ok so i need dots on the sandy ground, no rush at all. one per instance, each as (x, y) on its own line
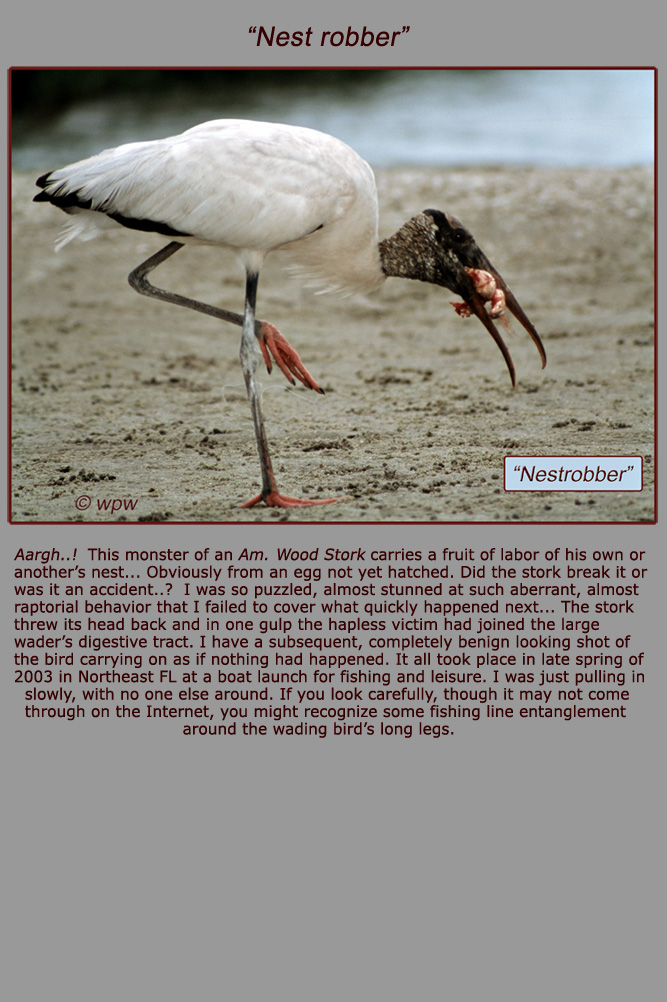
(119, 396)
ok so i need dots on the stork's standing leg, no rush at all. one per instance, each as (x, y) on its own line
(270, 340)
(269, 494)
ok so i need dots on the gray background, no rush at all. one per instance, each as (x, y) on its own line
(519, 862)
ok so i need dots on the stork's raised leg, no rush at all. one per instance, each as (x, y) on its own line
(271, 341)
(269, 494)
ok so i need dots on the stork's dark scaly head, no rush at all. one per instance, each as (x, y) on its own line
(436, 247)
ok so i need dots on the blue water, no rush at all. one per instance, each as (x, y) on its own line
(572, 118)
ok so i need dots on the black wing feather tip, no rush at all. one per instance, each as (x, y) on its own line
(68, 201)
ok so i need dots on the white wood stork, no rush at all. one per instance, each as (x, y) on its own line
(256, 187)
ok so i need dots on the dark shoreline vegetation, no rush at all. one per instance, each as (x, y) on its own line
(36, 91)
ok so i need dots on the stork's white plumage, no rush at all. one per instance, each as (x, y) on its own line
(251, 186)
(257, 187)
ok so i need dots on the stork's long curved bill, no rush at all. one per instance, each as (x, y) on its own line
(478, 307)
(466, 270)
(476, 258)
(514, 307)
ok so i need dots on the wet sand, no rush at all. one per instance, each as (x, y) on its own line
(119, 396)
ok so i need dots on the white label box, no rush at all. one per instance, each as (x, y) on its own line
(573, 473)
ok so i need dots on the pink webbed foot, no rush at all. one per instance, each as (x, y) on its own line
(274, 499)
(462, 309)
(272, 343)
(497, 304)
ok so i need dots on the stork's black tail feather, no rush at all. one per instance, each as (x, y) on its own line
(65, 200)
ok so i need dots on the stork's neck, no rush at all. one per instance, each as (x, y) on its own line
(409, 252)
